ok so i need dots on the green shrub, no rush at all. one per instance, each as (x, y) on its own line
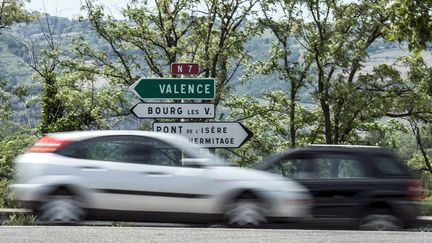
(21, 219)
(5, 194)
(10, 147)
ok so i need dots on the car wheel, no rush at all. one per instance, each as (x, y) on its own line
(245, 211)
(61, 208)
(381, 221)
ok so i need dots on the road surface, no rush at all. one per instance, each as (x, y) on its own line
(180, 234)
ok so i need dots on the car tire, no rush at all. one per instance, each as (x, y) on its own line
(245, 211)
(381, 220)
(61, 208)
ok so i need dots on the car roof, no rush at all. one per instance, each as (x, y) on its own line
(177, 140)
(317, 148)
(81, 135)
(336, 147)
(359, 149)
(84, 135)
(342, 146)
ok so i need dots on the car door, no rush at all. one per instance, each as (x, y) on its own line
(163, 183)
(337, 181)
(340, 183)
(139, 173)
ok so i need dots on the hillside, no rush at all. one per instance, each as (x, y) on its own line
(12, 67)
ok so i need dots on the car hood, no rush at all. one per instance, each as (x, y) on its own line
(238, 173)
(261, 179)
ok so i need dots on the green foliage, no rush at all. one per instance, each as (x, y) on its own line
(5, 193)
(313, 50)
(268, 119)
(349, 106)
(211, 33)
(5, 105)
(12, 144)
(411, 21)
(12, 11)
(337, 41)
(72, 97)
(80, 103)
(21, 219)
(10, 147)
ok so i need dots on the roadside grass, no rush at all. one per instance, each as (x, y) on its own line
(422, 228)
(20, 219)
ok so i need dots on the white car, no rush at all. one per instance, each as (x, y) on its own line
(146, 176)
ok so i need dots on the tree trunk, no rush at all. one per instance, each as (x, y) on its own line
(292, 116)
(327, 121)
(416, 131)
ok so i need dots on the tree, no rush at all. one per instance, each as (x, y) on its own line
(13, 141)
(219, 40)
(420, 132)
(211, 33)
(12, 11)
(5, 97)
(268, 120)
(337, 39)
(415, 106)
(281, 60)
(280, 121)
(71, 99)
(411, 21)
(44, 60)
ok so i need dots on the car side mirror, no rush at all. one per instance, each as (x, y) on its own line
(194, 162)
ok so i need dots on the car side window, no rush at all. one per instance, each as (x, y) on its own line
(338, 166)
(127, 149)
(283, 168)
(292, 167)
(320, 167)
(389, 166)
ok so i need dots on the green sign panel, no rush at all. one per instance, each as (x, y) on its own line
(175, 88)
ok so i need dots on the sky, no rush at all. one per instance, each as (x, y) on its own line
(71, 8)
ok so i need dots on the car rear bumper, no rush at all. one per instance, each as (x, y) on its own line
(408, 212)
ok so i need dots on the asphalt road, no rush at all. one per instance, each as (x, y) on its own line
(190, 235)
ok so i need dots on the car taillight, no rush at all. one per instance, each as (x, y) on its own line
(48, 144)
(416, 190)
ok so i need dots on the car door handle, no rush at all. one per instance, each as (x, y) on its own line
(92, 168)
(155, 173)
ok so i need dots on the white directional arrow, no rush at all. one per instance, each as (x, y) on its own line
(173, 110)
(211, 134)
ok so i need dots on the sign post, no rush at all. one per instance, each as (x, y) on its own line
(190, 91)
(184, 68)
(208, 134)
(174, 88)
(173, 110)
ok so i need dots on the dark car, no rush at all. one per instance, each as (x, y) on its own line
(361, 182)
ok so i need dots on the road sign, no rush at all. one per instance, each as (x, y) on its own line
(210, 134)
(175, 88)
(173, 110)
(184, 68)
